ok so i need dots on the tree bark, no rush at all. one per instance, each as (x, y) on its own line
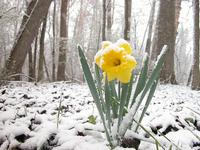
(104, 21)
(24, 20)
(46, 69)
(109, 20)
(41, 52)
(30, 64)
(177, 13)
(195, 67)
(151, 21)
(165, 33)
(127, 16)
(35, 57)
(63, 40)
(25, 38)
(54, 43)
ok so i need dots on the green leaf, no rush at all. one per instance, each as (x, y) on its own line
(92, 119)
(123, 98)
(130, 86)
(98, 78)
(115, 100)
(170, 148)
(108, 103)
(157, 146)
(89, 79)
(139, 99)
(149, 98)
(141, 79)
(93, 89)
(143, 128)
(155, 74)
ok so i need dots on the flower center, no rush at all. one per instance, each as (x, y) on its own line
(116, 62)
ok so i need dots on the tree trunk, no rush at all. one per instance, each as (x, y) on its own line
(63, 40)
(109, 20)
(30, 63)
(29, 9)
(177, 13)
(35, 57)
(41, 52)
(46, 69)
(165, 32)
(104, 21)
(25, 38)
(127, 16)
(54, 43)
(151, 21)
(195, 67)
(24, 20)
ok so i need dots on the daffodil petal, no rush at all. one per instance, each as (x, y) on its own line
(110, 76)
(124, 76)
(98, 57)
(115, 60)
(129, 61)
(105, 44)
(125, 45)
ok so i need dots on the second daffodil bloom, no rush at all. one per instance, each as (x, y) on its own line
(116, 62)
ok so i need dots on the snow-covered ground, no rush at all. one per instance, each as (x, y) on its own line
(29, 118)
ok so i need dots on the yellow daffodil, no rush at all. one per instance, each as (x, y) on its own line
(125, 45)
(116, 62)
(120, 43)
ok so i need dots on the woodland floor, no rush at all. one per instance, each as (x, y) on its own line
(29, 116)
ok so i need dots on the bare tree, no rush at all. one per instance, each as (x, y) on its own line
(35, 57)
(177, 12)
(63, 40)
(104, 21)
(25, 38)
(30, 6)
(54, 43)
(165, 33)
(30, 56)
(30, 64)
(127, 17)
(41, 52)
(195, 67)
(109, 19)
(150, 28)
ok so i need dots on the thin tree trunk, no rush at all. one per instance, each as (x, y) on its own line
(30, 60)
(54, 43)
(109, 21)
(25, 38)
(35, 57)
(46, 69)
(113, 11)
(104, 21)
(195, 67)
(189, 78)
(127, 16)
(63, 40)
(41, 52)
(151, 21)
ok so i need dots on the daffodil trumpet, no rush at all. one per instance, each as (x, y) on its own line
(116, 61)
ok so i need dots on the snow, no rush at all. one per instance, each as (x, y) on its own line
(28, 118)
